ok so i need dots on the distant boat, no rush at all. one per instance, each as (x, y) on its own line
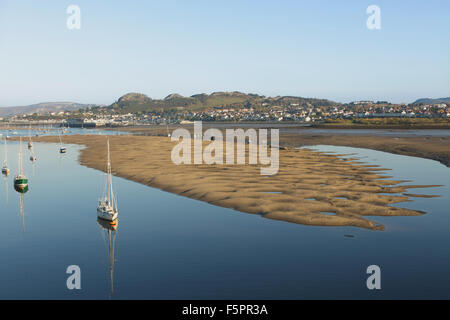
(20, 181)
(30, 143)
(167, 128)
(5, 169)
(62, 149)
(107, 205)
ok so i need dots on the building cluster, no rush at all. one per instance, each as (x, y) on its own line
(292, 113)
(363, 109)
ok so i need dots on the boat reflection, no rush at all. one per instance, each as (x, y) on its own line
(109, 229)
(21, 191)
(5, 179)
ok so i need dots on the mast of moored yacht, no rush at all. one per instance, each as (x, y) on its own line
(20, 157)
(167, 126)
(5, 161)
(109, 178)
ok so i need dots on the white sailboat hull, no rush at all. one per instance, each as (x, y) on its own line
(107, 213)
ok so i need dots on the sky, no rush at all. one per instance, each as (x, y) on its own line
(320, 49)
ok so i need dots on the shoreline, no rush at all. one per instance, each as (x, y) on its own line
(433, 148)
(384, 126)
(308, 187)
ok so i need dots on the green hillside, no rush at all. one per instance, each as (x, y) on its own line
(138, 102)
(432, 101)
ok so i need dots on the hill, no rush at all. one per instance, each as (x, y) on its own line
(44, 107)
(135, 102)
(432, 101)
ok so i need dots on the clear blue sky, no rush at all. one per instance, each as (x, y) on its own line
(304, 48)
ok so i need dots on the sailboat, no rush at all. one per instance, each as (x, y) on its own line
(110, 228)
(30, 143)
(62, 149)
(20, 181)
(5, 169)
(30, 147)
(167, 128)
(107, 205)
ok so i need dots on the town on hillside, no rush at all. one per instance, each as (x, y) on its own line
(284, 109)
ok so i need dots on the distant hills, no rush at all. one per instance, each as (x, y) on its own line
(432, 101)
(135, 102)
(44, 107)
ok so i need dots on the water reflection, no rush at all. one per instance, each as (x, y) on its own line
(21, 191)
(108, 230)
(5, 180)
(175, 239)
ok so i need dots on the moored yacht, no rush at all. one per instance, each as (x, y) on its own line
(107, 205)
(20, 180)
(62, 149)
(30, 143)
(5, 169)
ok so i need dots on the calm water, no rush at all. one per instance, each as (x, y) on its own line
(13, 132)
(171, 247)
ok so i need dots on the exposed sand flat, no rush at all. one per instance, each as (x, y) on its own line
(435, 148)
(311, 187)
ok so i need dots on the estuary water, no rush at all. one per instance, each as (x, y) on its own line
(170, 247)
(40, 131)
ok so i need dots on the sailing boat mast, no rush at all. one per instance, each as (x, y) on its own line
(109, 179)
(5, 161)
(5, 169)
(20, 157)
(167, 127)
(62, 149)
